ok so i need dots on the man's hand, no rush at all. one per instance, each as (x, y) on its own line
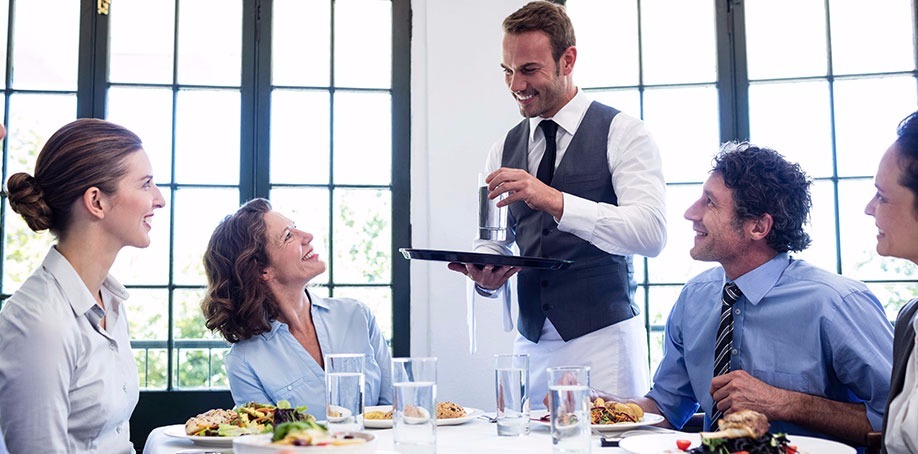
(488, 277)
(520, 185)
(737, 390)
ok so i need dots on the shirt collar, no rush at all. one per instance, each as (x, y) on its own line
(75, 289)
(758, 282)
(568, 118)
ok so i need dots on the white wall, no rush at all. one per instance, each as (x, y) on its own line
(460, 107)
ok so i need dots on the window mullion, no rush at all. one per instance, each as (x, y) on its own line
(732, 77)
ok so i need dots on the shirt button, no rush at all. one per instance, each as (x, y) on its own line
(118, 429)
(290, 388)
(737, 311)
(111, 346)
(124, 388)
(734, 352)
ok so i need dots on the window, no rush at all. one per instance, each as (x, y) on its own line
(233, 100)
(822, 82)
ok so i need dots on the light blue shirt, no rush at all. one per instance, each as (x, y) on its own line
(796, 327)
(273, 366)
(66, 384)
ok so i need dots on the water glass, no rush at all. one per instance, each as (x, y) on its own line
(569, 400)
(492, 221)
(345, 384)
(511, 381)
(414, 415)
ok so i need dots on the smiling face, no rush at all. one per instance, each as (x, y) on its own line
(540, 85)
(291, 258)
(718, 238)
(893, 208)
(133, 202)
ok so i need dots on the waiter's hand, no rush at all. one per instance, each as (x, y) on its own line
(520, 185)
(486, 276)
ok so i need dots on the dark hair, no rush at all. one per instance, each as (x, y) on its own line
(546, 17)
(82, 154)
(908, 153)
(238, 303)
(763, 182)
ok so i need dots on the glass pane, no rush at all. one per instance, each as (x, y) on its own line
(207, 136)
(210, 42)
(822, 250)
(308, 208)
(859, 236)
(147, 266)
(197, 213)
(675, 264)
(188, 320)
(690, 58)
(639, 268)
(363, 43)
(798, 49)
(363, 134)
(662, 299)
(301, 44)
(141, 42)
(802, 134)
(4, 30)
(39, 62)
(300, 137)
(194, 368)
(894, 295)
(33, 119)
(24, 250)
(598, 23)
(153, 123)
(872, 36)
(378, 299)
(860, 139)
(218, 378)
(628, 100)
(687, 141)
(363, 236)
(147, 313)
(151, 366)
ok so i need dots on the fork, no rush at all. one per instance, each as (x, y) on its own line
(488, 418)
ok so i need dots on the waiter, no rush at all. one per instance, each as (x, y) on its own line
(584, 183)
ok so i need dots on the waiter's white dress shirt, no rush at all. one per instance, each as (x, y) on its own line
(617, 353)
(66, 384)
(902, 424)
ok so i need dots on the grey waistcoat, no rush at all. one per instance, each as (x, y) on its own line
(598, 289)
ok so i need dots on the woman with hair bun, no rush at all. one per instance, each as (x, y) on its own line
(68, 381)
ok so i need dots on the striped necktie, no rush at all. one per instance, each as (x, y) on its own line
(724, 343)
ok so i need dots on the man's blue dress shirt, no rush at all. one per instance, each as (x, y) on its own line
(796, 327)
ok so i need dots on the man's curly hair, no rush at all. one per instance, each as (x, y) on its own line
(763, 182)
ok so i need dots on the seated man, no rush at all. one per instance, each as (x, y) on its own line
(808, 348)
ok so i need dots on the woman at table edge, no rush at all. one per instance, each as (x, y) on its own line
(895, 210)
(68, 381)
(258, 267)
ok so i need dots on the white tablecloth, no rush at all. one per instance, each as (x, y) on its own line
(476, 436)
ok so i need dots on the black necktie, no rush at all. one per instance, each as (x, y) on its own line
(724, 342)
(547, 166)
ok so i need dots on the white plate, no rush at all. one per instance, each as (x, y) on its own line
(387, 423)
(660, 443)
(261, 444)
(647, 420)
(178, 431)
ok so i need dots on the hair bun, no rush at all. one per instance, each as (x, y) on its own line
(27, 198)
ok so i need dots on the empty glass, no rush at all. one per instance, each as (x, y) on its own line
(569, 401)
(511, 381)
(414, 415)
(344, 387)
(492, 221)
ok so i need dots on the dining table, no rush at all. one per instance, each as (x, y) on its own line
(478, 436)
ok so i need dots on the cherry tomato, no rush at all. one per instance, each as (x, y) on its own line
(741, 452)
(791, 449)
(683, 444)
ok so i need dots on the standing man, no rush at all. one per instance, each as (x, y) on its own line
(808, 348)
(584, 182)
